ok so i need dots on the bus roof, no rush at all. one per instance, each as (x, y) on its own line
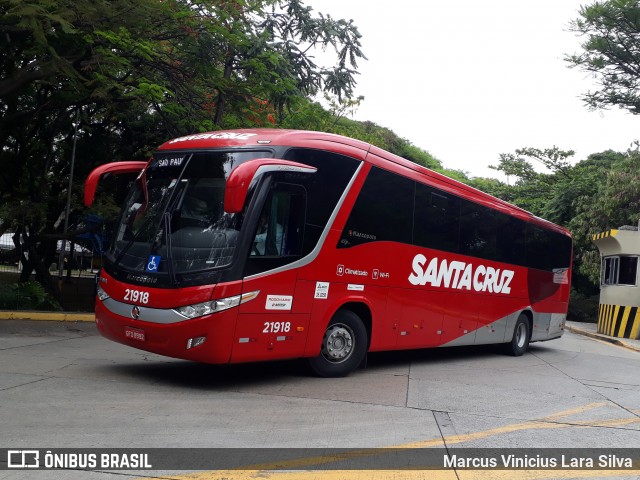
(265, 137)
(259, 137)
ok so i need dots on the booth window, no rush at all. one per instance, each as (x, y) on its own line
(619, 270)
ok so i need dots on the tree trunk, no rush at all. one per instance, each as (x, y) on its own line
(31, 260)
(222, 97)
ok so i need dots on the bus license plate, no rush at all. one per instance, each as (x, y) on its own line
(134, 333)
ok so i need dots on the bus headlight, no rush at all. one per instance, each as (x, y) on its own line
(102, 295)
(207, 308)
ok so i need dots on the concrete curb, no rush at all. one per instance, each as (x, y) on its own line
(605, 338)
(47, 316)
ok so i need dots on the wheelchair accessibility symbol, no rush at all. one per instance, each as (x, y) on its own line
(153, 263)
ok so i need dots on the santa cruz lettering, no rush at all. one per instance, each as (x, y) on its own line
(207, 136)
(460, 275)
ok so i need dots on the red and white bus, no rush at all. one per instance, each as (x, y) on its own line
(252, 245)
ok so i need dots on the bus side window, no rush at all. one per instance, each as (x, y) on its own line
(281, 224)
(436, 219)
(546, 249)
(478, 231)
(383, 210)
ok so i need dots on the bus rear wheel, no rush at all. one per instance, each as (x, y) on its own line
(521, 336)
(344, 346)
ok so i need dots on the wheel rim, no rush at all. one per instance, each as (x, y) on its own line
(521, 335)
(338, 343)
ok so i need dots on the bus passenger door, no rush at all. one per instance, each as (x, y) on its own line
(275, 324)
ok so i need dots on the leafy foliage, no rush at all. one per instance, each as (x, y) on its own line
(612, 200)
(306, 115)
(27, 296)
(611, 52)
(532, 189)
(128, 75)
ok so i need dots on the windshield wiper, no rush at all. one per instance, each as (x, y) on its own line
(147, 221)
(167, 232)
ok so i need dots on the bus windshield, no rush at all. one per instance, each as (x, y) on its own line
(173, 221)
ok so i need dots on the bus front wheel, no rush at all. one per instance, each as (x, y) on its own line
(344, 346)
(521, 336)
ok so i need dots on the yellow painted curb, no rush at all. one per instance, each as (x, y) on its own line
(47, 316)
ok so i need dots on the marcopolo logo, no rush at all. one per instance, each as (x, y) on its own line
(365, 236)
(460, 275)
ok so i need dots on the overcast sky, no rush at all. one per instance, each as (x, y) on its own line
(467, 80)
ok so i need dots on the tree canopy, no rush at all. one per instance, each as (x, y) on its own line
(129, 75)
(611, 52)
(112, 80)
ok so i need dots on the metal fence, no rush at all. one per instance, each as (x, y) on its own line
(76, 278)
(9, 257)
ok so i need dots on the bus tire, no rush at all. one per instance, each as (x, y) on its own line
(521, 336)
(344, 346)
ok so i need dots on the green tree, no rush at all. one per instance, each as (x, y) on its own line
(129, 75)
(611, 52)
(308, 115)
(267, 54)
(492, 186)
(59, 65)
(609, 199)
(532, 189)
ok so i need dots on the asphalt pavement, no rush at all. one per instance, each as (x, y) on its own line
(591, 330)
(586, 329)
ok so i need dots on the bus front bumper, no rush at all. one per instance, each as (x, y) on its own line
(206, 339)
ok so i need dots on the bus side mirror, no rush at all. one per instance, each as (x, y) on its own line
(245, 174)
(91, 183)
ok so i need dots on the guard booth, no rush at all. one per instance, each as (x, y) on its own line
(618, 314)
